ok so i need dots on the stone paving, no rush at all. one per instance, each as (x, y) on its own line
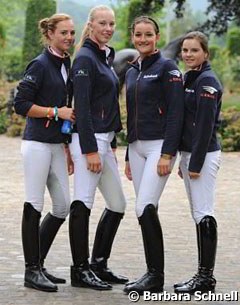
(127, 254)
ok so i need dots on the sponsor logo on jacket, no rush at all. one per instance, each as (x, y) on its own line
(209, 92)
(175, 73)
(176, 76)
(150, 76)
(189, 90)
(30, 78)
(81, 72)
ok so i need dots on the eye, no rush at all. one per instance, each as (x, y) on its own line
(72, 33)
(149, 34)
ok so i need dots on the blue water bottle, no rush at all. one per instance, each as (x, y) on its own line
(66, 127)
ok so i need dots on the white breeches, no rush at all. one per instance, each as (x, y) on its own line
(45, 165)
(148, 185)
(201, 191)
(108, 180)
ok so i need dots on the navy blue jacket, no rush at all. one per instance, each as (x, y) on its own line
(43, 85)
(96, 93)
(155, 102)
(203, 99)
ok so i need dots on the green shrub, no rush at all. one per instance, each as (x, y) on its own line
(3, 122)
(233, 41)
(230, 130)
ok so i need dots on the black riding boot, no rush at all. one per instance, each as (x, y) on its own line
(34, 277)
(198, 249)
(204, 281)
(81, 274)
(153, 280)
(48, 230)
(106, 231)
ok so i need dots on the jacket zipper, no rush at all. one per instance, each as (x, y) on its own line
(136, 112)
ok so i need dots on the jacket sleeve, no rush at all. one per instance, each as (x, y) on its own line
(174, 99)
(83, 84)
(207, 98)
(28, 88)
(114, 142)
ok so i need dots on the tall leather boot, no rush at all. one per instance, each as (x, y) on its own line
(198, 249)
(106, 231)
(34, 277)
(153, 280)
(205, 280)
(48, 230)
(81, 274)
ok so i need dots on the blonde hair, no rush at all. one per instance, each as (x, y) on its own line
(86, 30)
(50, 23)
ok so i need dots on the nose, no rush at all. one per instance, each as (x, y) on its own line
(142, 38)
(70, 35)
(109, 27)
(188, 53)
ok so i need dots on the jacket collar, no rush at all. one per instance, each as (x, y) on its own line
(147, 61)
(58, 61)
(192, 75)
(89, 43)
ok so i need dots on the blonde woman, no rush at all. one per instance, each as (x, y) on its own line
(96, 91)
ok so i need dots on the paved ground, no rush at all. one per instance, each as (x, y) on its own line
(127, 255)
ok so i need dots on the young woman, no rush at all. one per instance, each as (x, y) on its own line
(154, 92)
(200, 155)
(96, 90)
(42, 97)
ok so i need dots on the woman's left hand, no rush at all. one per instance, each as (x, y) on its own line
(66, 113)
(193, 175)
(164, 167)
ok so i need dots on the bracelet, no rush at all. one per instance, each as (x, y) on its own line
(56, 113)
(166, 156)
(49, 115)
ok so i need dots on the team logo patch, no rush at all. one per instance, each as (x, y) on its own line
(30, 78)
(81, 72)
(150, 76)
(189, 90)
(175, 73)
(209, 89)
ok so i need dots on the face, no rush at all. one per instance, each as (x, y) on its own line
(193, 54)
(102, 27)
(63, 37)
(145, 38)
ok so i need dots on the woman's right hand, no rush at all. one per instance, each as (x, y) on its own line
(128, 171)
(94, 163)
(66, 113)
